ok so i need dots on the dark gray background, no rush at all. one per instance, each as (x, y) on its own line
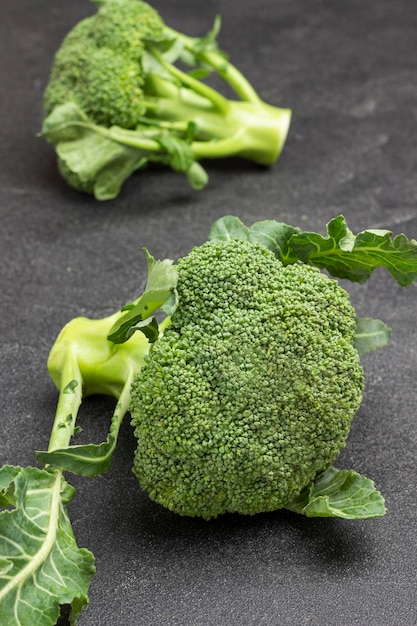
(348, 71)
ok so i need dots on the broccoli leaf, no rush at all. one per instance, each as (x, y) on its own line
(174, 46)
(268, 233)
(197, 176)
(355, 257)
(180, 157)
(158, 294)
(90, 159)
(340, 252)
(84, 460)
(98, 160)
(227, 228)
(370, 334)
(339, 493)
(208, 43)
(275, 236)
(41, 565)
(64, 123)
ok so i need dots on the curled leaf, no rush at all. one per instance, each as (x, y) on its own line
(339, 493)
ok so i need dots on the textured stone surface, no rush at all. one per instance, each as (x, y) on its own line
(348, 71)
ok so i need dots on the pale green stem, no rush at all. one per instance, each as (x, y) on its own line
(217, 148)
(202, 89)
(69, 402)
(226, 70)
(122, 406)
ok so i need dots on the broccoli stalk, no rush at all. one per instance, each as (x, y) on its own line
(249, 128)
(83, 362)
(87, 358)
(117, 100)
(142, 363)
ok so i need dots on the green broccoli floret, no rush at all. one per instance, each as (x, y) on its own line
(116, 71)
(251, 390)
(99, 63)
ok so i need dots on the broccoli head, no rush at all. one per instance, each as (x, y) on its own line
(119, 79)
(98, 65)
(240, 366)
(251, 390)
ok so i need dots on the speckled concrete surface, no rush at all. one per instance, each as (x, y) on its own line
(347, 69)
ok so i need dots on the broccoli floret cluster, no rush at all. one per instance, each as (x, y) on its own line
(251, 390)
(99, 64)
(126, 90)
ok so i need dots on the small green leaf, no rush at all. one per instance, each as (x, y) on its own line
(339, 493)
(41, 566)
(181, 156)
(161, 283)
(83, 460)
(192, 129)
(208, 43)
(268, 233)
(170, 304)
(196, 49)
(228, 228)
(197, 176)
(64, 123)
(149, 327)
(370, 334)
(70, 388)
(199, 73)
(171, 50)
(275, 236)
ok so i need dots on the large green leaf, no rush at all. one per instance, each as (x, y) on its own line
(355, 257)
(339, 493)
(98, 160)
(340, 252)
(41, 566)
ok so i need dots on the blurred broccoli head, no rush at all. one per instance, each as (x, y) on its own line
(124, 80)
(99, 64)
(252, 389)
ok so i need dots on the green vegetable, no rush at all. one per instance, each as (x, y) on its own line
(119, 98)
(242, 392)
(251, 390)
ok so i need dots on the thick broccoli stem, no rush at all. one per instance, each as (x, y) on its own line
(83, 362)
(254, 131)
(249, 128)
(101, 367)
